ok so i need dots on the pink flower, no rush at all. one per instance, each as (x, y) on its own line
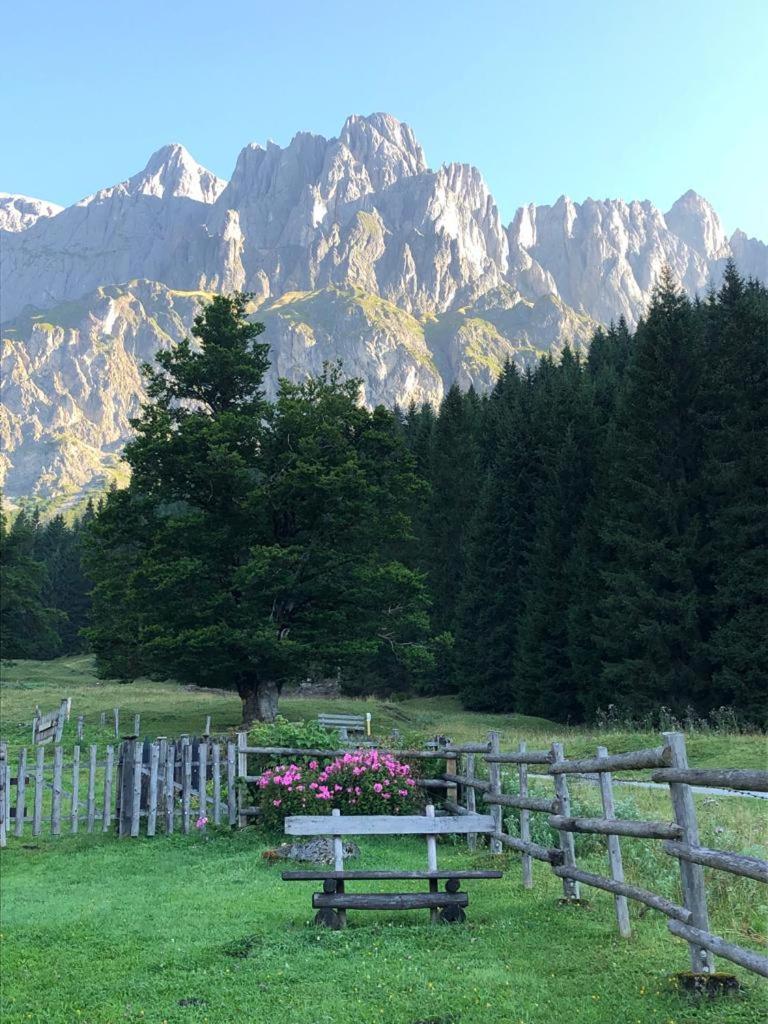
(277, 803)
(377, 787)
(201, 822)
(314, 765)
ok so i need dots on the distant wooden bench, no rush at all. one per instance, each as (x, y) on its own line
(343, 724)
(333, 902)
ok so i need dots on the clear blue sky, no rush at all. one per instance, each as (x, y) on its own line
(610, 98)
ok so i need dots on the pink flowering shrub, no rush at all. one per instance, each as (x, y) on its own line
(359, 782)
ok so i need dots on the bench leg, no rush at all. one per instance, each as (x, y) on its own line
(434, 912)
(452, 914)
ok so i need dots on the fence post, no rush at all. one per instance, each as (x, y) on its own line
(571, 889)
(58, 761)
(35, 720)
(37, 813)
(170, 786)
(107, 814)
(61, 718)
(451, 768)
(136, 724)
(138, 764)
(202, 779)
(242, 771)
(74, 810)
(186, 781)
(525, 819)
(614, 848)
(80, 726)
(216, 775)
(154, 761)
(93, 753)
(471, 799)
(231, 784)
(116, 716)
(494, 777)
(103, 720)
(691, 875)
(124, 786)
(21, 792)
(5, 796)
(207, 732)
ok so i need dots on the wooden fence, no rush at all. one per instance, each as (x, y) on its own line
(171, 784)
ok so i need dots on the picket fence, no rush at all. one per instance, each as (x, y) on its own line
(172, 784)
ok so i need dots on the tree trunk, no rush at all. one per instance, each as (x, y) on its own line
(259, 701)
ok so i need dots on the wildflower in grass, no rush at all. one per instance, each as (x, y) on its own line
(201, 822)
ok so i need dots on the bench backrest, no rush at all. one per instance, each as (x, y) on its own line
(350, 721)
(386, 825)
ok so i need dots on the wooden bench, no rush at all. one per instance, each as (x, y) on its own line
(344, 724)
(333, 902)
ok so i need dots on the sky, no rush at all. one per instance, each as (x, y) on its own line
(601, 98)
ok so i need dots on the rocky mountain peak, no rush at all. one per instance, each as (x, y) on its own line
(173, 171)
(694, 220)
(386, 147)
(17, 213)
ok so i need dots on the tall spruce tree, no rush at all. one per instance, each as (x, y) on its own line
(648, 626)
(258, 538)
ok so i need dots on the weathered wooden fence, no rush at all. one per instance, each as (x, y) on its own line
(169, 784)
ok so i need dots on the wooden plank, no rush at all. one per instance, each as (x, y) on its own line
(207, 731)
(454, 808)
(527, 803)
(691, 875)
(389, 900)
(624, 890)
(61, 718)
(494, 777)
(616, 827)
(242, 767)
(74, 811)
(364, 876)
(37, 813)
(137, 724)
(614, 849)
(21, 793)
(138, 758)
(343, 719)
(58, 761)
(5, 795)
(528, 757)
(544, 853)
(450, 776)
(202, 779)
(338, 865)
(655, 757)
(723, 860)
(231, 785)
(91, 812)
(106, 817)
(385, 825)
(216, 774)
(125, 788)
(720, 778)
(116, 717)
(565, 838)
(80, 726)
(169, 788)
(471, 799)
(701, 939)
(154, 762)
(186, 782)
(525, 817)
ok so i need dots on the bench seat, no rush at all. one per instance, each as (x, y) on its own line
(370, 876)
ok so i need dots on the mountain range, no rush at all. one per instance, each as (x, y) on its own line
(352, 248)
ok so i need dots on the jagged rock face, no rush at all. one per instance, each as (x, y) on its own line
(603, 257)
(17, 213)
(72, 379)
(353, 249)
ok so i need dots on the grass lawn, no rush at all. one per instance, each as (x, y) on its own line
(185, 929)
(201, 929)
